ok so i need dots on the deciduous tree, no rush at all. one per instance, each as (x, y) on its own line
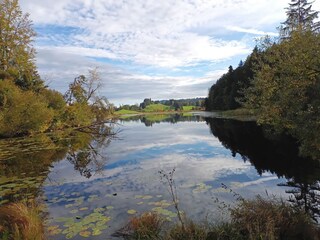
(17, 55)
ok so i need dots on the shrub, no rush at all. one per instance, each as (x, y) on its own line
(271, 219)
(22, 112)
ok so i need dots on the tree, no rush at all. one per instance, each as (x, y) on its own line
(17, 55)
(300, 16)
(83, 90)
(22, 112)
(285, 90)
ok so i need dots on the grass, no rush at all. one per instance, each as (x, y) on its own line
(188, 108)
(124, 111)
(272, 219)
(21, 221)
(147, 226)
(239, 114)
(256, 219)
(157, 108)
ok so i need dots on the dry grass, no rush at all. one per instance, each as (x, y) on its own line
(272, 219)
(147, 226)
(191, 231)
(21, 221)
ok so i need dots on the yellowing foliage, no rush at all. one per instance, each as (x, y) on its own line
(22, 112)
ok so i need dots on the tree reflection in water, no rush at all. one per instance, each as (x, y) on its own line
(26, 162)
(278, 154)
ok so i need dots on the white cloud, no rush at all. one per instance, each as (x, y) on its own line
(166, 35)
(156, 33)
(251, 30)
(60, 67)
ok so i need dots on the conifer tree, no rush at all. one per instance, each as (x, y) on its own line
(300, 16)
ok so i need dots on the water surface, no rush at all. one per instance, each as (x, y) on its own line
(92, 186)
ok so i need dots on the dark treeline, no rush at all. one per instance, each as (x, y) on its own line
(280, 81)
(224, 94)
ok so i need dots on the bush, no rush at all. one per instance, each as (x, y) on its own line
(22, 112)
(272, 219)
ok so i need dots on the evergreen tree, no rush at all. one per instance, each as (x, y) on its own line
(300, 16)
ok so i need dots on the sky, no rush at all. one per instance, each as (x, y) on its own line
(157, 49)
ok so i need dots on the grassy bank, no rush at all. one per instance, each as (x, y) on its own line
(250, 220)
(242, 114)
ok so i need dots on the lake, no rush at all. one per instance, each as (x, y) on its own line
(91, 186)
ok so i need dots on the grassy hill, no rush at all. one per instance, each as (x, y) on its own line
(157, 108)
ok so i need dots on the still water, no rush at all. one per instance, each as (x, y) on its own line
(91, 185)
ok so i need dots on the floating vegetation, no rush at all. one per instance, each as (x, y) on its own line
(54, 230)
(162, 203)
(140, 203)
(74, 211)
(165, 212)
(93, 198)
(83, 209)
(90, 225)
(144, 197)
(19, 188)
(131, 211)
(77, 202)
(201, 187)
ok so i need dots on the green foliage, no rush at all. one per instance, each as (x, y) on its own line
(22, 112)
(78, 115)
(17, 55)
(285, 90)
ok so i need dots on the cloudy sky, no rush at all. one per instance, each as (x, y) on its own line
(148, 48)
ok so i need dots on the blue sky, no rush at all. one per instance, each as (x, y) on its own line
(148, 48)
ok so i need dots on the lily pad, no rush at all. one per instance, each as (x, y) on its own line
(131, 211)
(54, 230)
(85, 234)
(144, 197)
(162, 204)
